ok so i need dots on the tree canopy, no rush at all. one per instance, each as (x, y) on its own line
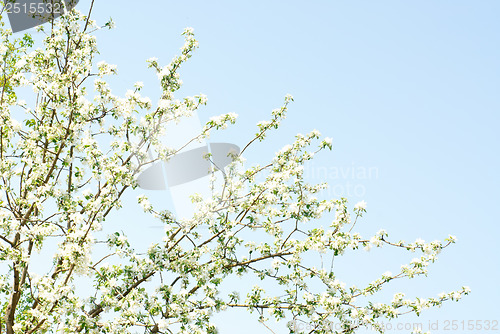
(69, 154)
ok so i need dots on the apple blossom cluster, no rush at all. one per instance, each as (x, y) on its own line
(68, 156)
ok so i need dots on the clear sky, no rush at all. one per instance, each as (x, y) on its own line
(409, 91)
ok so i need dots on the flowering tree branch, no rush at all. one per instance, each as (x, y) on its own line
(68, 157)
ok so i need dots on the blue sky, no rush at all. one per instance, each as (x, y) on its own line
(406, 89)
